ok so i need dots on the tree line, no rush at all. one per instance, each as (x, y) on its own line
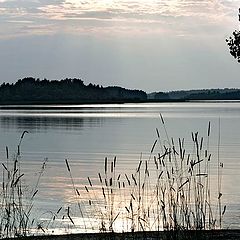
(69, 90)
(202, 94)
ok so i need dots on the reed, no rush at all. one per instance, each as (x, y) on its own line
(169, 190)
(77, 197)
(16, 218)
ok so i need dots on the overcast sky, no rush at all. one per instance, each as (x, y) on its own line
(150, 45)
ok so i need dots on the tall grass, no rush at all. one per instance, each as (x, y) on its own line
(16, 218)
(169, 190)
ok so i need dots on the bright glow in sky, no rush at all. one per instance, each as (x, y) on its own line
(153, 45)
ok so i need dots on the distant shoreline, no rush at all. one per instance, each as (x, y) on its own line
(28, 104)
(67, 91)
(31, 91)
(85, 102)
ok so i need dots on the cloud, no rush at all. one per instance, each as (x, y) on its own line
(132, 15)
(171, 43)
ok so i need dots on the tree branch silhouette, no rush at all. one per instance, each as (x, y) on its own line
(233, 43)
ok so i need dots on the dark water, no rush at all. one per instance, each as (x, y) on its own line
(86, 134)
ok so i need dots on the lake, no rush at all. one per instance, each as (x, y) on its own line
(86, 134)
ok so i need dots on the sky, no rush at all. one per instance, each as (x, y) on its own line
(154, 45)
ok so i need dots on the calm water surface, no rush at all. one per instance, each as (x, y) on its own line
(86, 134)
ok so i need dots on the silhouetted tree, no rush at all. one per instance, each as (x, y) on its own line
(234, 43)
(161, 96)
(69, 90)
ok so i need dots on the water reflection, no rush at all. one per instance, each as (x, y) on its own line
(87, 134)
(43, 123)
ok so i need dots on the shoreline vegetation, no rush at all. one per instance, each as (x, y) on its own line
(171, 194)
(29, 91)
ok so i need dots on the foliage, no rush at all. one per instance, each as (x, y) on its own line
(233, 43)
(31, 90)
(202, 94)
